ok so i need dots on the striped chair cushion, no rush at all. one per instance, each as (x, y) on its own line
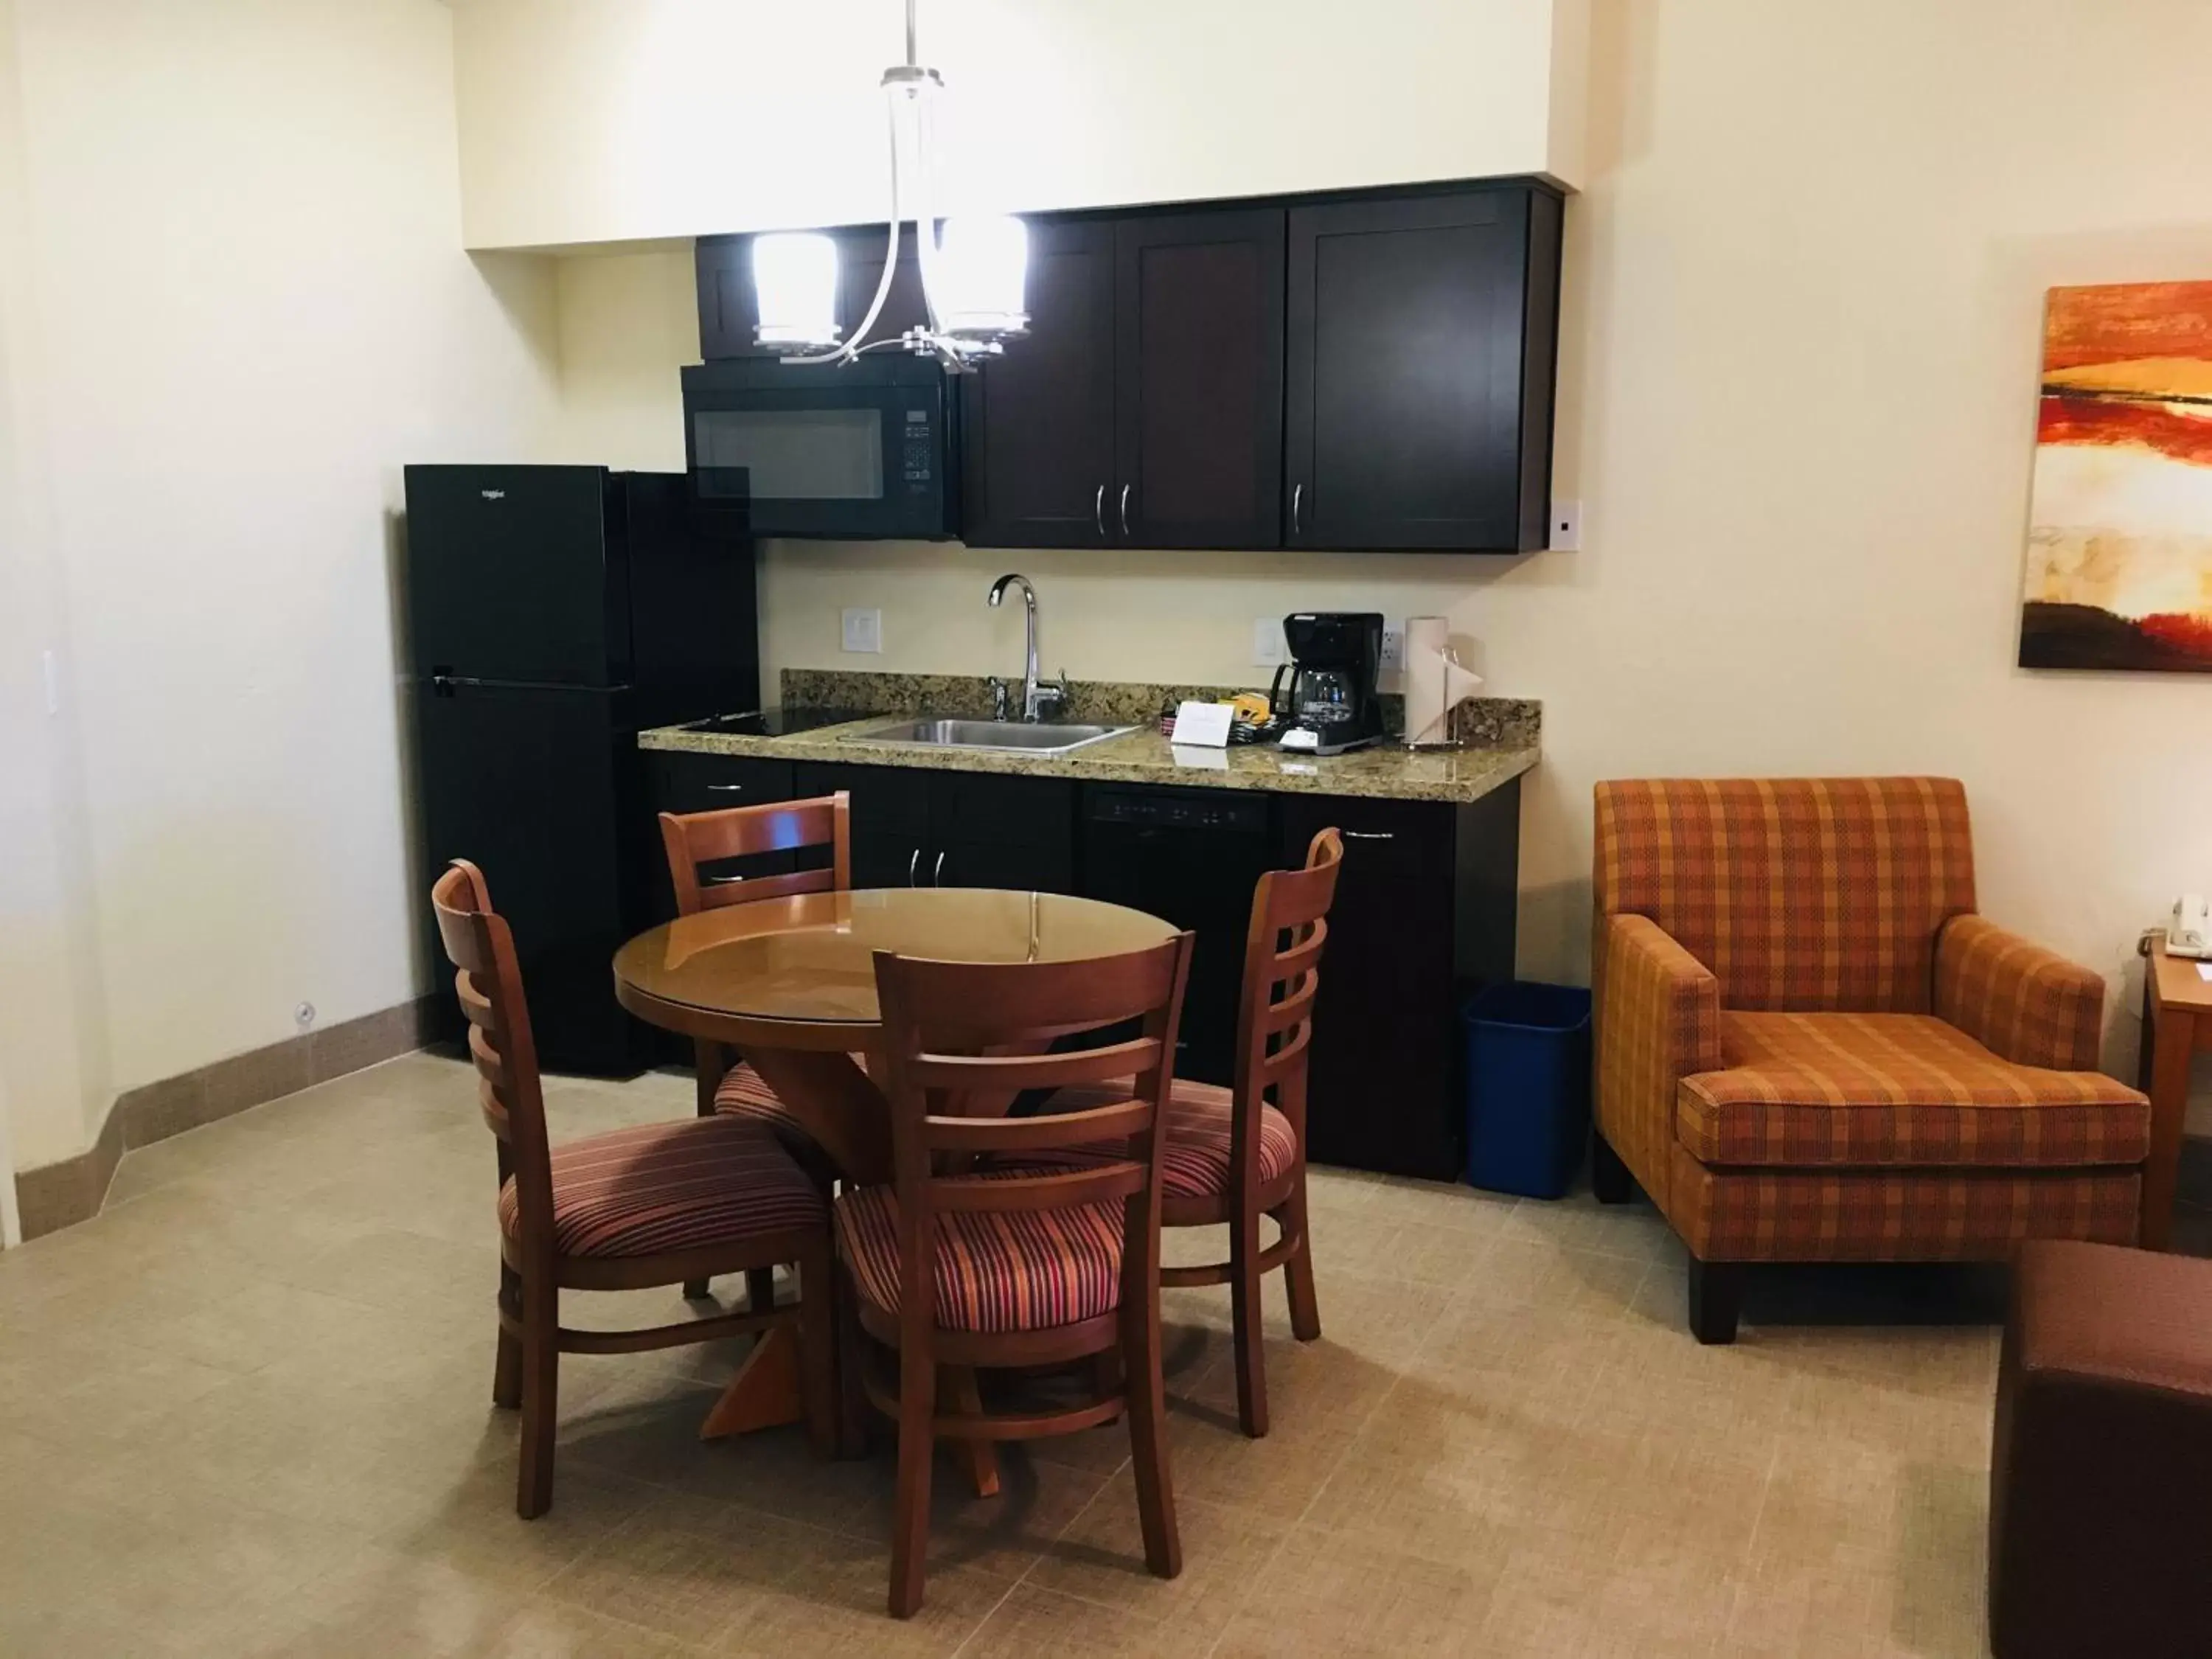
(1013, 1272)
(742, 1093)
(672, 1186)
(1814, 1090)
(1196, 1164)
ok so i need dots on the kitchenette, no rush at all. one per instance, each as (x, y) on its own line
(942, 796)
(1318, 378)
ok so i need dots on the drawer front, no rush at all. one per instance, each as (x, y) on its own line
(708, 783)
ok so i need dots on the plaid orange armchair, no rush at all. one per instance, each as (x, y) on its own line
(1810, 1048)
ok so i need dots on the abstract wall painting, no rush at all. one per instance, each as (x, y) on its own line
(2119, 541)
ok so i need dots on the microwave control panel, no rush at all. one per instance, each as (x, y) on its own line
(914, 463)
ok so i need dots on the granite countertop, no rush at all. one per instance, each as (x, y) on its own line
(1504, 746)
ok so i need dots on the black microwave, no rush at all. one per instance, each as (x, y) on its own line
(865, 451)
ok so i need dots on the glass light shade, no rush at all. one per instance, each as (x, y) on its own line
(795, 279)
(982, 269)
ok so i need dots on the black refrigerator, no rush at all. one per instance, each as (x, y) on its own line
(553, 612)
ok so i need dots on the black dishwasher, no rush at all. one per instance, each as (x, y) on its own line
(1191, 857)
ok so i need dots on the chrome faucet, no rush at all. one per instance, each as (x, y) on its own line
(1037, 695)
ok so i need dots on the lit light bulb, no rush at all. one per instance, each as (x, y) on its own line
(795, 278)
(983, 265)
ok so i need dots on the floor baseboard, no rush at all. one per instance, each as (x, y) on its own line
(61, 1195)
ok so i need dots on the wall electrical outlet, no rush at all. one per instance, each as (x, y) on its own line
(1269, 649)
(1394, 644)
(864, 630)
(1566, 527)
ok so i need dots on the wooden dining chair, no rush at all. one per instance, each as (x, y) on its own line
(727, 1084)
(1239, 1154)
(955, 1269)
(656, 1204)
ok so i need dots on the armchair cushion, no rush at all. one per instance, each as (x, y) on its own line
(1658, 1019)
(2029, 1004)
(1896, 1091)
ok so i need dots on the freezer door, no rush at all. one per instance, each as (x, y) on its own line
(538, 788)
(514, 574)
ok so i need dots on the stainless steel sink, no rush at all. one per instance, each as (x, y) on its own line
(1008, 736)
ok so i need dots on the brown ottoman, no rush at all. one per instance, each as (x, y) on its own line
(2100, 1478)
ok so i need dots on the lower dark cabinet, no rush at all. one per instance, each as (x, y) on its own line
(917, 829)
(1423, 917)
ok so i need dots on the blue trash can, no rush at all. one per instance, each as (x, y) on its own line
(1528, 1087)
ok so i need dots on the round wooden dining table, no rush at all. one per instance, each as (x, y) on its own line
(791, 984)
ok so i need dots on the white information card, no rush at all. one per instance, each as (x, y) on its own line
(1202, 725)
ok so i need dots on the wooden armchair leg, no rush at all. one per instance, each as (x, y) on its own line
(541, 1400)
(817, 1354)
(507, 1366)
(1245, 1318)
(760, 1290)
(1715, 1300)
(1148, 1437)
(852, 1366)
(910, 1508)
(1299, 1271)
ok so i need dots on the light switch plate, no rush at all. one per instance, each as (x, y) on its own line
(1566, 527)
(1267, 646)
(864, 630)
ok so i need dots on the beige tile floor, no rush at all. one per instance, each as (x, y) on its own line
(246, 1410)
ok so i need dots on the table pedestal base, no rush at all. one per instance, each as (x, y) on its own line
(763, 1395)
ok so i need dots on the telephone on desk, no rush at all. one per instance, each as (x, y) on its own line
(2190, 933)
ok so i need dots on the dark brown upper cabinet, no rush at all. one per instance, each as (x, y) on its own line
(1423, 332)
(1037, 424)
(1198, 379)
(1365, 370)
(1144, 406)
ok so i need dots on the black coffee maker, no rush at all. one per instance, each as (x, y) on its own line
(1331, 706)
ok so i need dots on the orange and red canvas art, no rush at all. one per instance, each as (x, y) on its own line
(2119, 541)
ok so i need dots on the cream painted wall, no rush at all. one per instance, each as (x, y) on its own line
(244, 273)
(608, 120)
(1797, 401)
(52, 1037)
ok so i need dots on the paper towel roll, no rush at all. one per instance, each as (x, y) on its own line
(1435, 682)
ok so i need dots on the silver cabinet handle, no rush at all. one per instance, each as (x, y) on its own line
(1125, 509)
(723, 881)
(912, 863)
(1298, 496)
(937, 876)
(1369, 834)
(725, 789)
(1098, 511)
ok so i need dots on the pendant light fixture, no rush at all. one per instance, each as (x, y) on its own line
(973, 271)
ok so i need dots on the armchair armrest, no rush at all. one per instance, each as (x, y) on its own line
(2020, 1001)
(1658, 1021)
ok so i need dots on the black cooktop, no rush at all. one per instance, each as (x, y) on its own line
(778, 722)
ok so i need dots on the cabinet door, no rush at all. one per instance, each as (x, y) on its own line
(1038, 425)
(890, 817)
(1198, 379)
(1413, 340)
(1380, 1085)
(729, 309)
(991, 831)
